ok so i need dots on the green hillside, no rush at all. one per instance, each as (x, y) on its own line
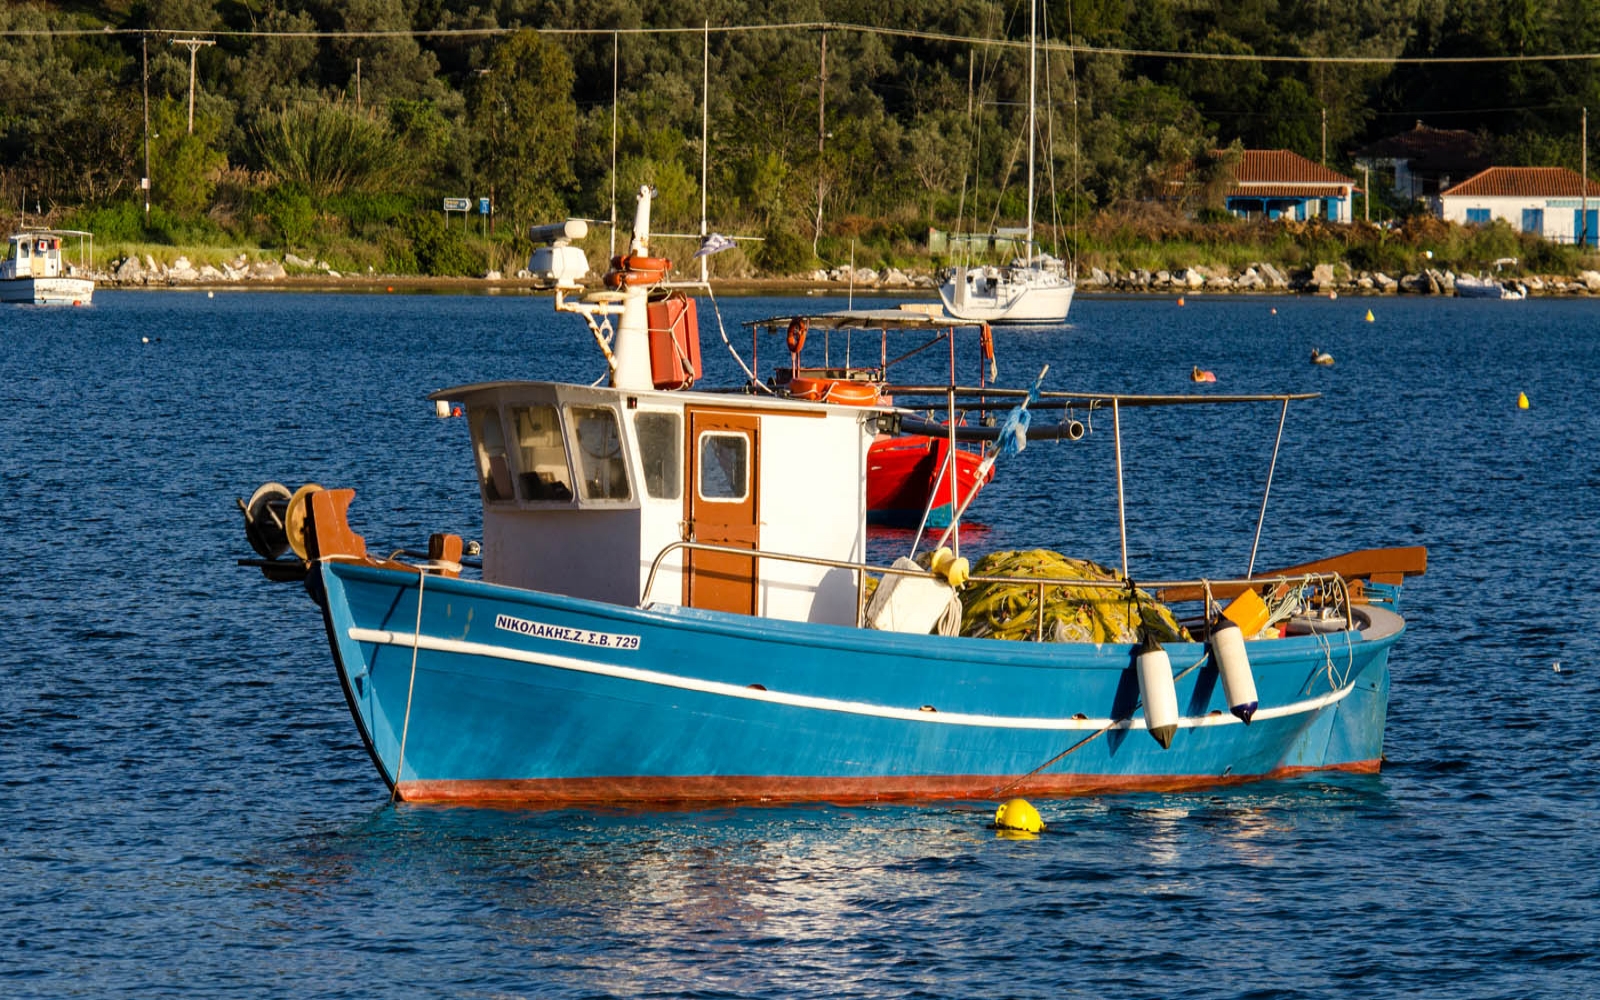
(334, 129)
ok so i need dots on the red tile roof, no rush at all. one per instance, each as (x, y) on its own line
(1522, 182)
(1428, 148)
(1280, 166)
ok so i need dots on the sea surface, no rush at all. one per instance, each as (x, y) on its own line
(186, 809)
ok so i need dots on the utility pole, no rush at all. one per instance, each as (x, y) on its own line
(1583, 143)
(144, 42)
(193, 45)
(358, 83)
(1324, 136)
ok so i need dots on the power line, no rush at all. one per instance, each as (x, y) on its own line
(840, 26)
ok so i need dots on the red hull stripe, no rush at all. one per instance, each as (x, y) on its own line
(710, 790)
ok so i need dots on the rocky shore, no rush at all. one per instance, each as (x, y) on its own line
(145, 272)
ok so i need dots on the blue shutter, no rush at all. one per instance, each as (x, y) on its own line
(1586, 233)
(1477, 216)
(1533, 221)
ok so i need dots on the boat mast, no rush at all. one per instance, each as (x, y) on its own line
(1033, 39)
(705, 137)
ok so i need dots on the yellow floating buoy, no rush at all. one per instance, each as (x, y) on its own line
(1522, 401)
(1018, 815)
(1180, 300)
(1369, 315)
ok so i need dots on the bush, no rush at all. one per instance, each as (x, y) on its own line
(782, 252)
(291, 215)
(122, 222)
(438, 250)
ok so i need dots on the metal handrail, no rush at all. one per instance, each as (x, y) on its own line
(1324, 580)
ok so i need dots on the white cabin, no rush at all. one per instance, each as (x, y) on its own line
(33, 255)
(584, 486)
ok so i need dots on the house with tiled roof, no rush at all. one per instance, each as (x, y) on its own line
(1552, 202)
(1424, 160)
(1279, 184)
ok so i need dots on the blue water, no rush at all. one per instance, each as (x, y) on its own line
(187, 809)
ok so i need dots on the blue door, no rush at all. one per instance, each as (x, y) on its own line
(1584, 227)
(1533, 221)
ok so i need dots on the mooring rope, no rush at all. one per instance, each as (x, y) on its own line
(1113, 724)
(411, 686)
(754, 382)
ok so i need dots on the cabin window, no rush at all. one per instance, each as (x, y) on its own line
(494, 473)
(659, 450)
(602, 468)
(724, 466)
(542, 474)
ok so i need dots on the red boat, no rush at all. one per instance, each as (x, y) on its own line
(904, 471)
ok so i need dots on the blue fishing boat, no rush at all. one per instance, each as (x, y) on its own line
(673, 606)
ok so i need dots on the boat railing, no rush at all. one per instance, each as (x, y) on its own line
(1332, 591)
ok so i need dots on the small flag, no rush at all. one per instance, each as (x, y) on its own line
(714, 243)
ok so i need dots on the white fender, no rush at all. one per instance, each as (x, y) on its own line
(1233, 663)
(1159, 692)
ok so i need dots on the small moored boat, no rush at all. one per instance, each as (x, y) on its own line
(34, 271)
(673, 606)
(1471, 287)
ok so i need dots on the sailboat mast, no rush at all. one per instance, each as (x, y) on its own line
(1033, 38)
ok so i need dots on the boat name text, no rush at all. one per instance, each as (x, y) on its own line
(581, 636)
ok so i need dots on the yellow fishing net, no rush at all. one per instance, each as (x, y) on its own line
(1071, 613)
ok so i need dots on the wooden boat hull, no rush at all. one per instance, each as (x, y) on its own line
(510, 695)
(903, 471)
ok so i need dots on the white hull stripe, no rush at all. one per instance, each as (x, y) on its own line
(405, 639)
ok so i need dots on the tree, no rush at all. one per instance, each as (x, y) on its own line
(525, 123)
(186, 165)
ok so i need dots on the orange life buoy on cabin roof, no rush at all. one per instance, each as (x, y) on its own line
(797, 335)
(845, 392)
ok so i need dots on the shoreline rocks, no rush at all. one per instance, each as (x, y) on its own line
(1258, 277)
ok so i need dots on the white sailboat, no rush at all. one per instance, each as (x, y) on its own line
(1034, 288)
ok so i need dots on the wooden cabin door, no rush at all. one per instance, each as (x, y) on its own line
(722, 508)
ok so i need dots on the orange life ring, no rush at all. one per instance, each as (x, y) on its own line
(827, 390)
(797, 335)
(986, 340)
(629, 270)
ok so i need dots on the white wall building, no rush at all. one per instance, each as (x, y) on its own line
(1548, 201)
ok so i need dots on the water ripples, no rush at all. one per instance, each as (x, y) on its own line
(189, 809)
